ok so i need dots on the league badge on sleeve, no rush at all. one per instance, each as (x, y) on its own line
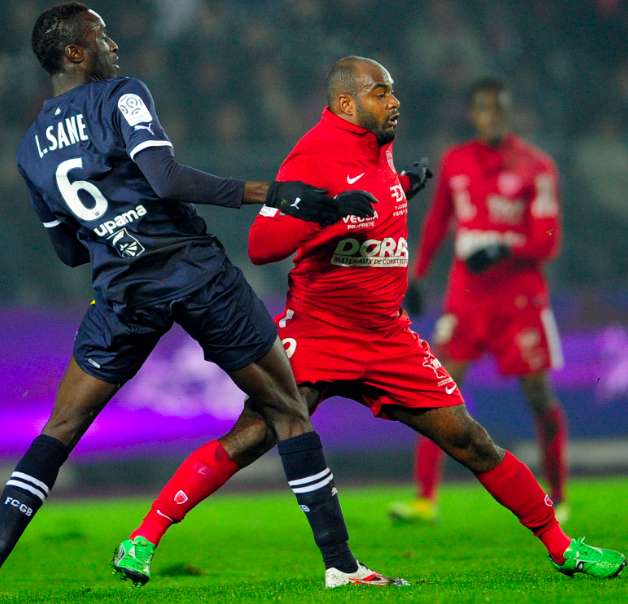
(134, 109)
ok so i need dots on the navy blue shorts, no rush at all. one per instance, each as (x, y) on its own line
(225, 317)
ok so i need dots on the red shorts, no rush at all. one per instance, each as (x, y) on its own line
(523, 340)
(391, 367)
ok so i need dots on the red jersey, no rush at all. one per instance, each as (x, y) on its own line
(353, 273)
(507, 194)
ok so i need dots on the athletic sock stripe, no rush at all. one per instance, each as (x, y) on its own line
(553, 339)
(27, 487)
(315, 486)
(311, 478)
(28, 478)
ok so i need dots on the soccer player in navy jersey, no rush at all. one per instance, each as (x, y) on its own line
(104, 181)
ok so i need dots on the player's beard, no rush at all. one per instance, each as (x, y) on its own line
(367, 120)
(102, 68)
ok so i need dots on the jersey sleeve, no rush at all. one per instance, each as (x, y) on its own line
(135, 117)
(405, 182)
(44, 213)
(436, 223)
(274, 236)
(542, 219)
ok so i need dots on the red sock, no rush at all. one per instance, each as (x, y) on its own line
(428, 461)
(552, 430)
(203, 471)
(513, 485)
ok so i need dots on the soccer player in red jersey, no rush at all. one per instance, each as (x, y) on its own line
(345, 333)
(500, 194)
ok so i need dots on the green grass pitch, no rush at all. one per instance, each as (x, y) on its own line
(255, 547)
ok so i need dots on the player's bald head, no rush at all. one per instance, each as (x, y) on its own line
(360, 91)
(351, 74)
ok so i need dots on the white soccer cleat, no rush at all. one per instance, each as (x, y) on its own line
(363, 576)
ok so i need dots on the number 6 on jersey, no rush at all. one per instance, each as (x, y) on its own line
(70, 191)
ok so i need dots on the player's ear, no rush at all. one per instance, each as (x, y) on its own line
(346, 105)
(74, 53)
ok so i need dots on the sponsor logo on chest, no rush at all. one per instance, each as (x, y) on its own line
(356, 222)
(509, 183)
(384, 252)
(501, 209)
(109, 226)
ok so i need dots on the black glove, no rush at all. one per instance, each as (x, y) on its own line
(486, 257)
(418, 173)
(355, 203)
(308, 203)
(414, 301)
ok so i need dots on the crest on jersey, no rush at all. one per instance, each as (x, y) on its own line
(126, 245)
(431, 362)
(134, 109)
(389, 159)
(509, 184)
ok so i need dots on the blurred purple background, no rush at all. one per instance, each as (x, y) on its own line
(178, 398)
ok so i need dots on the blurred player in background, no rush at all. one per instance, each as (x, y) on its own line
(500, 194)
(344, 330)
(104, 182)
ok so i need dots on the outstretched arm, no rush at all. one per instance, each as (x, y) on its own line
(134, 116)
(172, 180)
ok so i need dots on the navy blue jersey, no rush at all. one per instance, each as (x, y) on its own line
(77, 160)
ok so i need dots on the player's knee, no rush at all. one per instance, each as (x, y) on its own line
(290, 425)
(538, 394)
(286, 414)
(68, 420)
(248, 440)
(478, 451)
(293, 420)
(539, 399)
(485, 453)
(290, 408)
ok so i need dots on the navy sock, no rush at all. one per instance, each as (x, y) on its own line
(313, 485)
(27, 489)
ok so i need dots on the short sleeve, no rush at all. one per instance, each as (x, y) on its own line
(135, 116)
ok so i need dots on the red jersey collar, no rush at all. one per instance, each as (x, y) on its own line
(331, 119)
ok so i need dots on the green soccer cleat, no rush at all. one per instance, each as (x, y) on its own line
(132, 558)
(595, 561)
